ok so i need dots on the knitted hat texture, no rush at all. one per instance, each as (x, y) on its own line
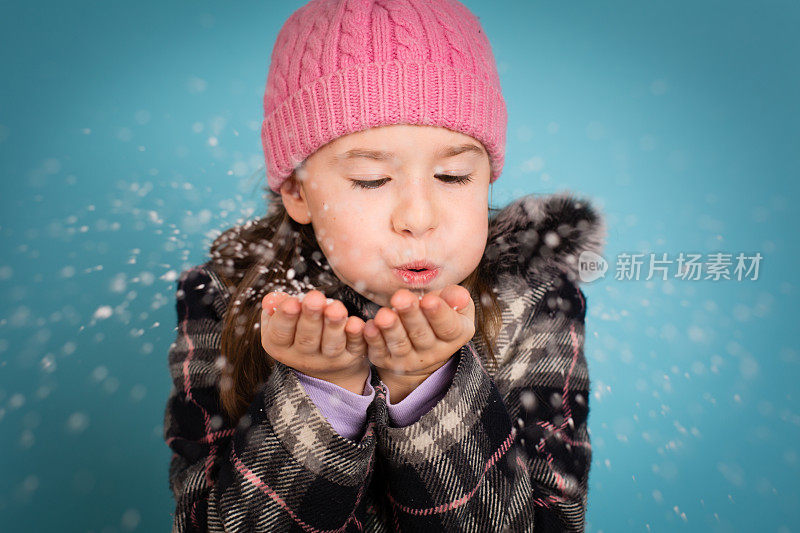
(342, 66)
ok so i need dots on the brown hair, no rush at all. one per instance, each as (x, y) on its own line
(254, 258)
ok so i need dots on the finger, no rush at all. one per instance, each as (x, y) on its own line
(354, 331)
(281, 327)
(394, 333)
(445, 322)
(418, 329)
(272, 300)
(377, 351)
(458, 298)
(309, 326)
(269, 304)
(334, 341)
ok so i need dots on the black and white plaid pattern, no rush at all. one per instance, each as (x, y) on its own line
(506, 449)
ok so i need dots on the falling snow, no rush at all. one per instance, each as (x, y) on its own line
(681, 374)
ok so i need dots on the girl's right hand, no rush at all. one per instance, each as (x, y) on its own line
(316, 338)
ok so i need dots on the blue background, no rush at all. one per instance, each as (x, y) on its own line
(129, 134)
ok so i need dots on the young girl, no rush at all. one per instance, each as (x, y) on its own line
(384, 351)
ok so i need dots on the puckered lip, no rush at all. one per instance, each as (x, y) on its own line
(419, 264)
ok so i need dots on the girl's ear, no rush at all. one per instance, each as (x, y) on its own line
(294, 200)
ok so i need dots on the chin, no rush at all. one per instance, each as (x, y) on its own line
(380, 299)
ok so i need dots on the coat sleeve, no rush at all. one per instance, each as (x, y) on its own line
(516, 460)
(282, 467)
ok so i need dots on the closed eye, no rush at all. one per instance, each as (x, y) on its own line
(456, 179)
(374, 184)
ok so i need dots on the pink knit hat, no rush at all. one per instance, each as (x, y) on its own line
(341, 66)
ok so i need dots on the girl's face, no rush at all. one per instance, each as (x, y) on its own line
(381, 198)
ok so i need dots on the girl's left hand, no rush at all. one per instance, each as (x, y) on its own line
(409, 345)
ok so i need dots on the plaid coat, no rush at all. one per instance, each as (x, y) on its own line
(506, 449)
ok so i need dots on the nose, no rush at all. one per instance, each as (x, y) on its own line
(415, 211)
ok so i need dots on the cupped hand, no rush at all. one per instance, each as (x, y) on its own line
(409, 344)
(316, 338)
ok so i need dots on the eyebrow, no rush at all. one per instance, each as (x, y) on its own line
(380, 155)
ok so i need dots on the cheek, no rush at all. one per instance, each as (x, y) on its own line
(474, 242)
(473, 212)
(473, 229)
(344, 236)
(347, 218)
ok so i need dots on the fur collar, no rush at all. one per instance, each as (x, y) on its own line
(533, 235)
(545, 232)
